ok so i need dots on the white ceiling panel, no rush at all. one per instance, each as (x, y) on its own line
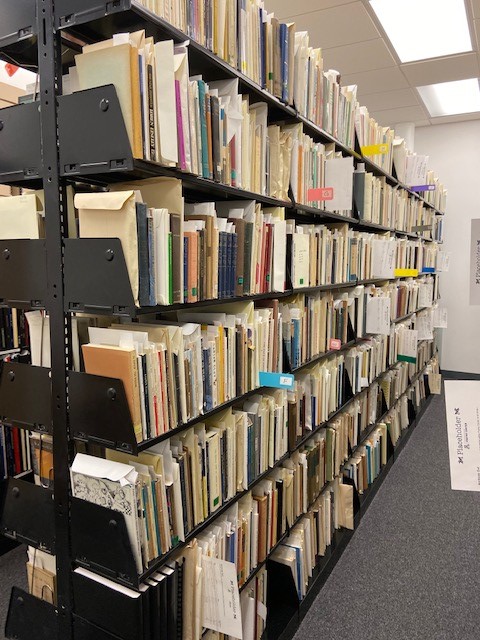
(324, 26)
(390, 99)
(392, 117)
(378, 80)
(284, 8)
(362, 56)
(457, 118)
(457, 67)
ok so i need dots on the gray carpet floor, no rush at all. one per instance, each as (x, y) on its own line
(410, 572)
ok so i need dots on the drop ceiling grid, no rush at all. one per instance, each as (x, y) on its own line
(354, 43)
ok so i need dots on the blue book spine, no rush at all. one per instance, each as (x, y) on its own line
(263, 50)
(234, 264)
(369, 463)
(228, 266)
(203, 128)
(151, 259)
(221, 264)
(296, 344)
(284, 59)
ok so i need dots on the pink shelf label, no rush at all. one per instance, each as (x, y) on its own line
(320, 195)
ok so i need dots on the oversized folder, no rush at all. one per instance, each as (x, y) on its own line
(110, 606)
(112, 215)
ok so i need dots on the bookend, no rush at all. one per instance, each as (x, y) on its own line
(30, 618)
(20, 152)
(25, 397)
(412, 410)
(84, 630)
(23, 273)
(100, 542)
(390, 445)
(72, 12)
(99, 412)
(282, 598)
(96, 277)
(27, 514)
(347, 387)
(383, 403)
(427, 386)
(93, 132)
(351, 333)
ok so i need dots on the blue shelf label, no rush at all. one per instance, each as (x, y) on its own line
(276, 380)
(428, 270)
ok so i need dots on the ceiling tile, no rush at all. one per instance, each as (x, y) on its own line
(390, 99)
(377, 80)
(392, 117)
(457, 67)
(324, 26)
(283, 8)
(361, 56)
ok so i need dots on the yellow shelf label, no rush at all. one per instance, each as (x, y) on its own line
(375, 149)
(406, 273)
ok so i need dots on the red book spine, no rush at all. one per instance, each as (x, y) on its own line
(17, 451)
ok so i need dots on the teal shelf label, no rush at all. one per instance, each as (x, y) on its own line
(276, 380)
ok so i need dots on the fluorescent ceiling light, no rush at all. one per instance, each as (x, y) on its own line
(421, 29)
(450, 98)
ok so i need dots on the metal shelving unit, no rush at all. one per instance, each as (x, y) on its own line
(48, 144)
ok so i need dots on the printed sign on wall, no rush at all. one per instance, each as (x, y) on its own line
(475, 263)
(462, 400)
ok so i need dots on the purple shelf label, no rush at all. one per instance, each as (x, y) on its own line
(423, 187)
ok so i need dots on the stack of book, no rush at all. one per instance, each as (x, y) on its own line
(173, 372)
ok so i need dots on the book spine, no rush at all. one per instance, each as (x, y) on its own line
(203, 128)
(234, 265)
(181, 140)
(151, 115)
(143, 254)
(185, 268)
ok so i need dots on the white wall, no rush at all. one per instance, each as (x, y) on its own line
(454, 151)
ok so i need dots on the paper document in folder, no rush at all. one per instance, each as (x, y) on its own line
(20, 218)
(117, 65)
(112, 215)
(339, 177)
